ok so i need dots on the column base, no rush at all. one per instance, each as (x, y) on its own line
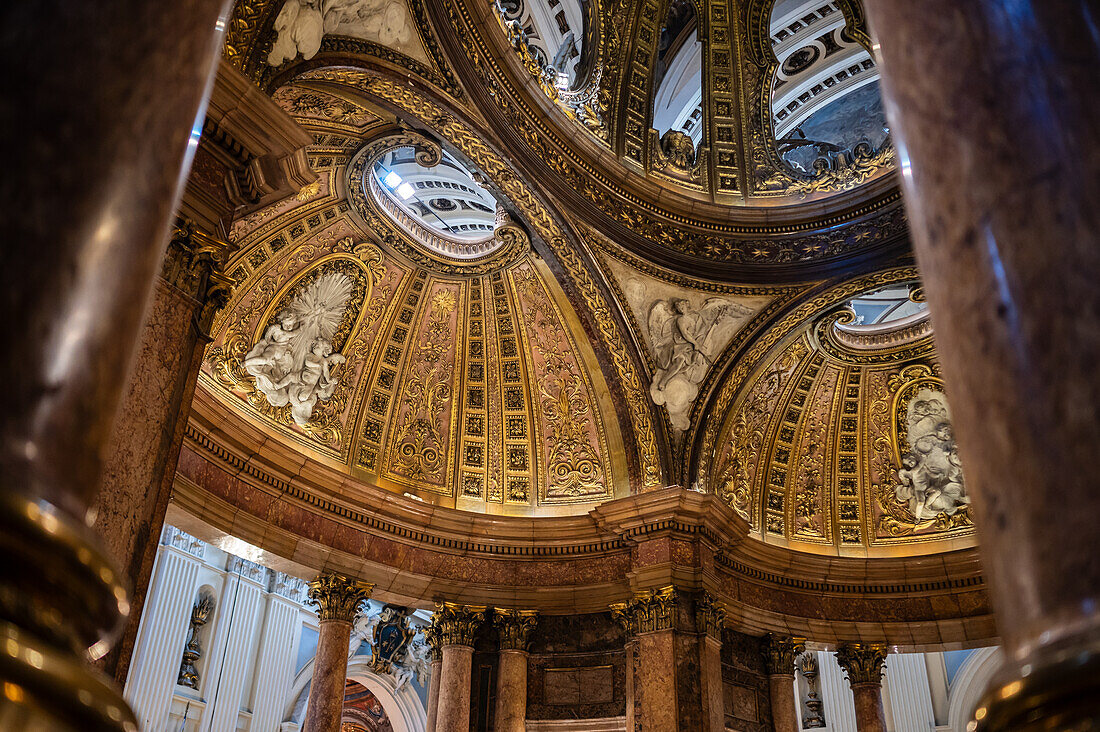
(53, 565)
(1058, 692)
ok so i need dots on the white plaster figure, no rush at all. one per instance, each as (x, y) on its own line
(686, 340)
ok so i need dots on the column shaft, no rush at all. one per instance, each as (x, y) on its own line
(453, 714)
(784, 705)
(870, 716)
(87, 192)
(994, 107)
(710, 683)
(511, 705)
(433, 693)
(330, 670)
(655, 682)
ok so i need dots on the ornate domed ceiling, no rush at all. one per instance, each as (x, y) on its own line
(739, 140)
(840, 439)
(557, 255)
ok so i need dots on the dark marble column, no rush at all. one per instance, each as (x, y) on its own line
(337, 600)
(99, 125)
(780, 655)
(864, 663)
(456, 626)
(145, 443)
(514, 628)
(994, 108)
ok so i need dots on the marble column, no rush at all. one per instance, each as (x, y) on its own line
(145, 443)
(649, 620)
(993, 107)
(457, 627)
(780, 655)
(514, 628)
(864, 664)
(88, 190)
(337, 600)
(432, 637)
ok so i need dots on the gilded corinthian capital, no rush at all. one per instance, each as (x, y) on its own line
(457, 625)
(338, 598)
(514, 627)
(647, 611)
(863, 662)
(780, 654)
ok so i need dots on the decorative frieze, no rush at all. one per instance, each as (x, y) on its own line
(514, 627)
(864, 663)
(456, 625)
(780, 654)
(292, 588)
(338, 598)
(173, 537)
(710, 615)
(647, 611)
(246, 569)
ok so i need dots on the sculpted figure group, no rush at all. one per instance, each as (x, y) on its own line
(930, 479)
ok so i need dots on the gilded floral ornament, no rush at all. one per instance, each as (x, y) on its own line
(457, 625)
(337, 597)
(863, 663)
(780, 654)
(514, 627)
(710, 615)
(647, 611)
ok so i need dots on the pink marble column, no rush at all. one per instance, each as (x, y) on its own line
(864, 664)
(780, 655)
(457, 627)
(514, 631)
(994, 108)
(337, 600)
(433, 686)
(100, 143)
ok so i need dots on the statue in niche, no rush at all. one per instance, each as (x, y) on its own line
(686, 340)
(188, 674)
(301, 24)
(930, 479)
(293, 362)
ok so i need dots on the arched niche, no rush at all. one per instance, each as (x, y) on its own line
(403, 706)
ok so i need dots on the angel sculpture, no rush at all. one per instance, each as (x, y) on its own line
(361, 632)
(686, 340)
(416, 664)
(299, 27)
(293, 362)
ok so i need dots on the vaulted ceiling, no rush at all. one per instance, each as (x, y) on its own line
(643, 310)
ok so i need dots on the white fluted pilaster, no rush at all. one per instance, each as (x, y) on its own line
(161, 637)
(906, 679)
(274, 663)
(836, 694)
(233, 645)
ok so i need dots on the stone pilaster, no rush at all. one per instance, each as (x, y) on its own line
(338, 601)
(148, 433)
(674, 642)
(864, 664)
(780, 654)
(455, 628)
(514, 630)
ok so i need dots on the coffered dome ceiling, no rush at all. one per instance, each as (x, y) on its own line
(540, 269)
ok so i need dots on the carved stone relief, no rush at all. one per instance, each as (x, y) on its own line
(301, 24)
